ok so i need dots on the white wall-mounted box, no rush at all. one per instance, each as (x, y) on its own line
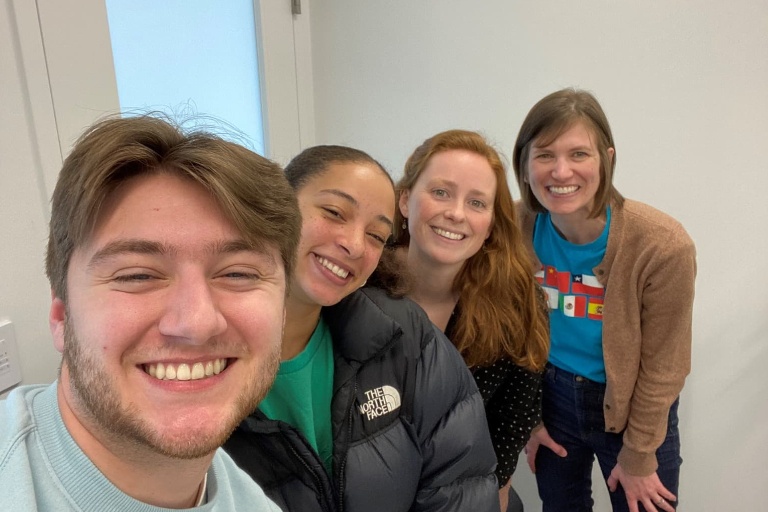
(10, 365)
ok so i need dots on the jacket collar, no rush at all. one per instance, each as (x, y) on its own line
(359, 325)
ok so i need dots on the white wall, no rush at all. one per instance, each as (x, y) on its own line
(56, 78)
(29, 153)
(54, 56)
(685, 86)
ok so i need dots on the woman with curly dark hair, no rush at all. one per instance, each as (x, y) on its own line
(372, 408)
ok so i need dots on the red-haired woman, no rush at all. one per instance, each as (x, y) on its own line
(468, 268)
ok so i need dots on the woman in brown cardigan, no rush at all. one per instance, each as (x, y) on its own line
(619, 276)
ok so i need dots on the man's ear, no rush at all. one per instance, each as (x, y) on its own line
(57, 318)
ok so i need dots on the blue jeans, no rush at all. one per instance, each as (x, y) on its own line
(572, 411)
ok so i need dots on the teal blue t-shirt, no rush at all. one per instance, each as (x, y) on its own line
(575, 298)
(302, 392)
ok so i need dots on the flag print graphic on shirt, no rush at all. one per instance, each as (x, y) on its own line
(595, 308)
(587, 285)
(576, 295)
(559, 280)
(553, 295)
(573, 305)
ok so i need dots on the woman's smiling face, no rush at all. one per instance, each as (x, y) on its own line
(347, 213)
(450, 207)
(565, 174)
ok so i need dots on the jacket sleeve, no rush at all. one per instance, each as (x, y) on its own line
(512, 412)
(448, 415)
(665, 358)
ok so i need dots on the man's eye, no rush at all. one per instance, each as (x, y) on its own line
(136, 282)
(238, 280)
(133, 278)
(243, 275)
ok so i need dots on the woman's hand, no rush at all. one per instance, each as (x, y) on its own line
(647, 490)
(540, 437)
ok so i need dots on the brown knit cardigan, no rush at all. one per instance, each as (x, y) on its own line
(648, 273)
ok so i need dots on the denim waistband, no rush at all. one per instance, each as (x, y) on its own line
(558, 374)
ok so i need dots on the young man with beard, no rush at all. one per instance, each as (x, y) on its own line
(168, 258)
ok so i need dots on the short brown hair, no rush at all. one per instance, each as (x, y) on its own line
(547, 120)
(251, 190)
(500, 315)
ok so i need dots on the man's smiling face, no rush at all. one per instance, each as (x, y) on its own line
(172, 326)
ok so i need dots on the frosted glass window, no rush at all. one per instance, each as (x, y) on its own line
(189, 57)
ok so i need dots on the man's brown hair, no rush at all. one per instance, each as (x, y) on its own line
(251, 190)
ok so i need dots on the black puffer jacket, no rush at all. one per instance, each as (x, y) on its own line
(409, 428)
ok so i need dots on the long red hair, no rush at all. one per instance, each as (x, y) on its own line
(501, 313)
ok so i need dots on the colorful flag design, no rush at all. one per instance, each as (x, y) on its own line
(559, 280)
(550, 276)
(539, 276)
(586, 284)
(553, 297)
(573, 305)
(595, 308)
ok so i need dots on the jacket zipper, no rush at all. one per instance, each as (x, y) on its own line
(349, 436)
(317, 478)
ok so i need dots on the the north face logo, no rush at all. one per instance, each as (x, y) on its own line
(380, 401)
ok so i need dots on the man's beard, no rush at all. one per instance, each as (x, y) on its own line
(97, 396)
